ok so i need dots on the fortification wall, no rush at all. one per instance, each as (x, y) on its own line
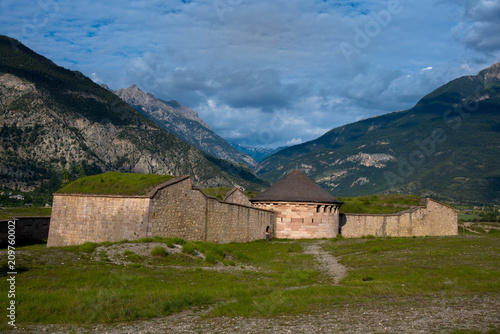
(77, 219)
(304, 220)
(433, 219)
(236, 223)
(183, 211)
(179, 211)
(172, 209)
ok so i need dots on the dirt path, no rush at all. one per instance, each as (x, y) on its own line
(327, 262)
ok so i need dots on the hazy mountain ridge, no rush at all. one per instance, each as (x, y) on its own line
(257, 153)
(184, 123)
(56, 124)
(446, 146)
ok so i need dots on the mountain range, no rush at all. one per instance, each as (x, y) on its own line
(57, 124)
(447, 146)
(184, 123)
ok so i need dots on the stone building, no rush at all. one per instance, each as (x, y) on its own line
(174, 208)
(303, 209)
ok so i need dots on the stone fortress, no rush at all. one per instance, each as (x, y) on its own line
(295, 207)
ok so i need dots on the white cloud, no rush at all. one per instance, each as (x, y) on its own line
(294, 141)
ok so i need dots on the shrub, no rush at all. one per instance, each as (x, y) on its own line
(189, 248)
(158, 251)
(210, 257)
(87, 247)
(376, 249)
(240, 256)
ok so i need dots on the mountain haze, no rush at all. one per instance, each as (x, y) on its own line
(184, 123)
(447, 146)
(56, 124)
(257, 153)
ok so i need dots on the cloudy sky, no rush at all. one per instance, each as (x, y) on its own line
(266, 73)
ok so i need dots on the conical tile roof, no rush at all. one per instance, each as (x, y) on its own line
(296, 187)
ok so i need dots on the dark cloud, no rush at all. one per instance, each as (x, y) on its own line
(479, 26)
(266, 72)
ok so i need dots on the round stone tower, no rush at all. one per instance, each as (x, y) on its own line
(303, 209)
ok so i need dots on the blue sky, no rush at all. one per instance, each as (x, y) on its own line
(266, 73)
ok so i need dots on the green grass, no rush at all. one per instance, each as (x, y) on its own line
(158, 251)
(378, 204)
(67, 285)
(10, 212)
(217, 192)
(220, 192)
(114, 183)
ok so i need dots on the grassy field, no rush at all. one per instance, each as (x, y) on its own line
(378, 204)
(114, 183)
(82, 285)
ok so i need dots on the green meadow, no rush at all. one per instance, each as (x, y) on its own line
(81, 285)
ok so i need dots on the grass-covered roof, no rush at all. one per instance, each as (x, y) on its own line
(114, 183)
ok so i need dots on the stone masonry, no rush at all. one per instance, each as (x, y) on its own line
(431, 219)
(304, 220)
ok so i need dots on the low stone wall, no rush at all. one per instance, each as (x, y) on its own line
(77, 219)
(229, 222)
(28, 230)
(433, 219)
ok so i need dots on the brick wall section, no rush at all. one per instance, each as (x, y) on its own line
(304, 220)
(172, 209)
(433, 219)
(91, 218)
(237, 196)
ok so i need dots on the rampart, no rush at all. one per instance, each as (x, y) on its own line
(431, 219)
(174, 208)
(77, 219)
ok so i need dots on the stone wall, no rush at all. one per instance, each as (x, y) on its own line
(184, 211)
(77, 219)
(432, 219)
(178, 210)
(237, 196)
(304, 220)
(28, 230)
(174, 209)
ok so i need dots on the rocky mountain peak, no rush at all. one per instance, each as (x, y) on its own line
(183, 122)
